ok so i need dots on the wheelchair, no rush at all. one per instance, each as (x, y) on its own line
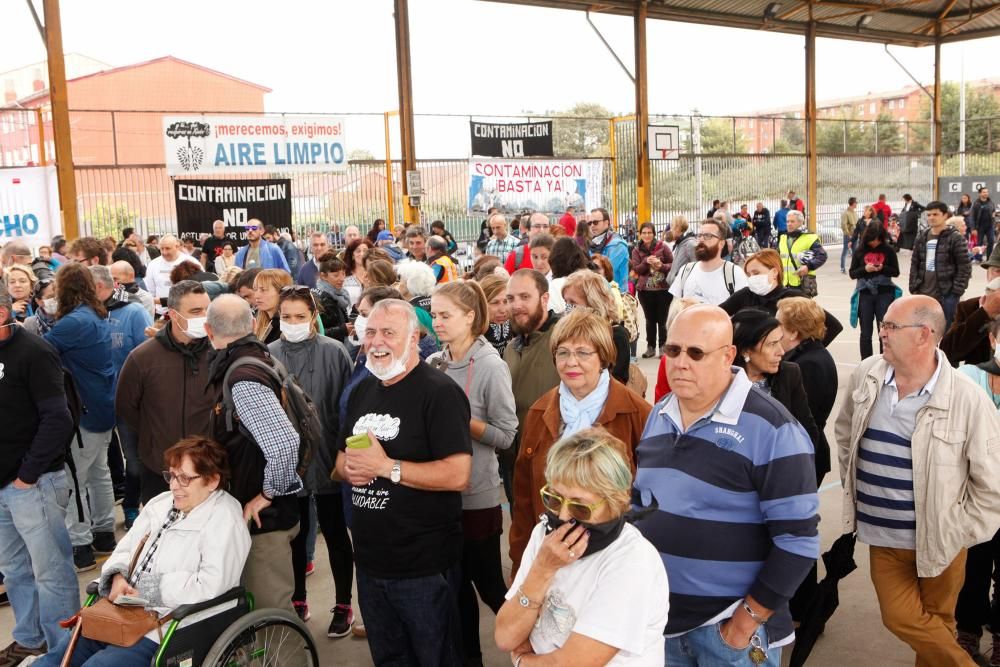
(234, 636)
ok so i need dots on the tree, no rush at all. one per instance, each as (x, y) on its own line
(109, 220)
(849, 135)
(980, 104)
(791, 135)
(360, 154)
(717, 137)
(574, 134)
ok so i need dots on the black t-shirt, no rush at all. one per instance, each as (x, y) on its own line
(400, 532)
(30, 374)
(212, 248)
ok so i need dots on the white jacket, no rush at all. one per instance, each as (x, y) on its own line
(198, 558)
(955, 451)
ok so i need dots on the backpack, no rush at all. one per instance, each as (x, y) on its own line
(747, 247)
(728, 275)
(299, 408)
(76, 408)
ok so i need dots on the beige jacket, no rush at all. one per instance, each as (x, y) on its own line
(956, 461)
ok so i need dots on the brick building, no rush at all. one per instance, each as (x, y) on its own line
(116, 113)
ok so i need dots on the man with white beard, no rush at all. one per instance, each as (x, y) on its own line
(406, 451)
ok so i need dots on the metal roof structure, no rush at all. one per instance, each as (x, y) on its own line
(902, 22)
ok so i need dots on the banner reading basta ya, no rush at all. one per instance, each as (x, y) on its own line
(538, 185)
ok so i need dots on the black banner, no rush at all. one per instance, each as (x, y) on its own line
(201, 202)
(511, 140)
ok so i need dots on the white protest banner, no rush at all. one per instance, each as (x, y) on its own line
(29, 205)
(206, 144)
(537, 185)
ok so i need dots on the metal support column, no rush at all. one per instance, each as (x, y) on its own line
(408, 153)
(40, 119)
(389, 189)
(811, 158)
(614, 169)
(643, 187)
(936, 116)
(60, 119)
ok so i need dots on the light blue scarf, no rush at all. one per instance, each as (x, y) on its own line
(581, 414)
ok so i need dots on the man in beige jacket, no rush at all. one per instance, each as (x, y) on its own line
(919, 461)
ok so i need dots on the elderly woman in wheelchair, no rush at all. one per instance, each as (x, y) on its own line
(187, 547)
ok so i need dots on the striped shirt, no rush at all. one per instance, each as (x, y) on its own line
(885, 511)
(732, 506)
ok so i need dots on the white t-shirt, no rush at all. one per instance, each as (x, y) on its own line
(708, 286)
(618, 596)
(158, 277)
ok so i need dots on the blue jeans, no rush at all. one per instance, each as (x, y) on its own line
(845, 252)
(37, 560)
(412, 621)
(89, 653)
(949, 303)
(704, 647)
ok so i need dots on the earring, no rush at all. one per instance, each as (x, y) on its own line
(746, 358)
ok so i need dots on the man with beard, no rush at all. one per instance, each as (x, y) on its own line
(532, 368)
(604, 241)
(711, 279)
(259, 252)
(407, 474)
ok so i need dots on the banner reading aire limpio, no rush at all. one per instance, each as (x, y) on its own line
(538, 185)
(208, 144)
(29, 205)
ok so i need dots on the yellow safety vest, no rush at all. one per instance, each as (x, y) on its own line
(450, 271)
(800, 245)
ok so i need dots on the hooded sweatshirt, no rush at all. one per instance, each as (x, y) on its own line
(486, 380)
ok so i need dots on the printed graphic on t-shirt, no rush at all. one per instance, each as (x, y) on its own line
(385, 427)
(370, 497)
(557, 618)
(931, 264)
(874, 258)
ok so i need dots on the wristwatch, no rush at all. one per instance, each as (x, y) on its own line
(396, 473)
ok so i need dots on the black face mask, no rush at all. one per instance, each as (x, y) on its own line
(601, 534)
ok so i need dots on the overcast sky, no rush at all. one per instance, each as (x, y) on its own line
(472, 57)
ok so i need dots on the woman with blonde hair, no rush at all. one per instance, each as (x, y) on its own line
(267, 288)
(590, 588)
(498, 333)
(20, 283)
(587, 289)
(461, 317)
(586, 396)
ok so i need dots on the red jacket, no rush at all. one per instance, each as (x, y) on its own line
(882, 208)
(511, 262)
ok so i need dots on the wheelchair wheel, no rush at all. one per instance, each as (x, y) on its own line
(264, 638)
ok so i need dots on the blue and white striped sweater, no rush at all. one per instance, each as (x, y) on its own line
(734, 506)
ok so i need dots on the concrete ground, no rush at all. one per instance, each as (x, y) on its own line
(855, 634)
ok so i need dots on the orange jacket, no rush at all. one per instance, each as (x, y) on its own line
(624, 416)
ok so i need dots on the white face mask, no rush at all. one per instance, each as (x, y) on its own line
(396, 368)
(195, 326)
(360, 324)
(296, 333)
(50, 306)
(760, 284)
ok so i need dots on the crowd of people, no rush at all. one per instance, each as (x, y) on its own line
(241, 397)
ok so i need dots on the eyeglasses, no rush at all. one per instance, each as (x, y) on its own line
(704, 237)
(892, 326)
(182, 480)
(694, 353)
(554, 503)
(583, 356)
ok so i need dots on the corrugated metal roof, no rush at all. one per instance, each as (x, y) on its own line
(904, 22)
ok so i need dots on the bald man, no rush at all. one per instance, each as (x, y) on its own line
(919, 461)
(263, 447)
(729, 479)
(124, 276)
